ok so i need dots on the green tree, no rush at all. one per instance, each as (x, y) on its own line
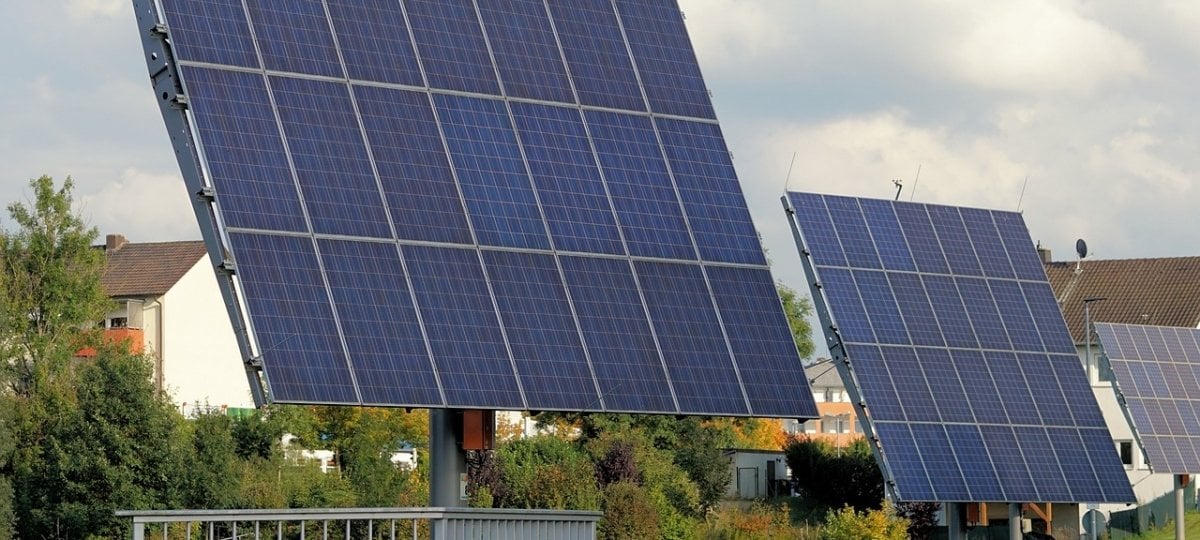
(878, 524)
(798, 309)
(836, 477)
(51, 286)
(210, 479)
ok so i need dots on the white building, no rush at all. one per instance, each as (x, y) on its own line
(169, 304)
(1163, 292)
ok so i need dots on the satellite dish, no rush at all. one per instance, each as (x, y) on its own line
(1081, 248)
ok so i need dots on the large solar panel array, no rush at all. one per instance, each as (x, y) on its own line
(1157, 374)
(958, 352)
(506, 204)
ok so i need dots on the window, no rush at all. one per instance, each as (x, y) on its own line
(844, 423)
(810, 426)
(118, 322)
(829, 424)
(1125, 449)
(819, 395)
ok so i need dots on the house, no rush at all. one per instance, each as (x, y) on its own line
(1163, 291)
(837, 423)
(168, 303)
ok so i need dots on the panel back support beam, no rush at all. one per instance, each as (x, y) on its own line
(837, 352)
(173, 104)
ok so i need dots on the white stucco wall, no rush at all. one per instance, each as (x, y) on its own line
(201, 360)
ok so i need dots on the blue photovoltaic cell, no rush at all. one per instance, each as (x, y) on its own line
(641, 188)
(878, 382)
(374, 41)
(213, 31)
(511, 204)
(904, 462)
(704, 376)
(765, 350)
(851, 228)
(412, 165)
(664, 57)
(491, 172)
(711, 195)
(325, 142)
(383, 335)
(567, 178)
(464, 333)
(597, 55)
(948, 329)
(885, 230)
(451, 45)
(985, 239)
(299, 345)
(709, 191)
(812, 216)
(956, 245)
(294, 35)
(1155, 369)
(623, 350)
(526, 51)
(971, 453)
(246, 161)
(541, 331)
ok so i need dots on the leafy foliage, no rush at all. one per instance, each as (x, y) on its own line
(798, 309)
(617, 465)
(51, 287)
(922, 518)
(836, 477)
(629, 512)
(876, 524)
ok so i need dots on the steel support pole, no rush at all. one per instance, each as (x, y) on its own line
(446, 460)
(956, 521)
(1014, 522)
(1180, 516)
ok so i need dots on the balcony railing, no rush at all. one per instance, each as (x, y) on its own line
(366, 523)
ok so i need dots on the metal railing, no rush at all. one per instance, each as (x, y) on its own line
(365, 523)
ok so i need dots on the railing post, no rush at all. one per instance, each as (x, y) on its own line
(139, 530)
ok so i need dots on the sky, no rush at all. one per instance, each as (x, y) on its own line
(1082, 115)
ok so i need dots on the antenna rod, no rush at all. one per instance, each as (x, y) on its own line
(788, 179)
(913, 191)
(1022, 197)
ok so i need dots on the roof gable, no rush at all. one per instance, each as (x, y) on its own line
(1163, 291)
(150, 268)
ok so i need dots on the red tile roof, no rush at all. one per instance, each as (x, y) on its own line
(1162, 292)
(150, 268)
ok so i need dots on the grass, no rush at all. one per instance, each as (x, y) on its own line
(1191, 529)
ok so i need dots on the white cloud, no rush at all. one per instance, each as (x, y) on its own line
(87, 9)
(143, 206)
(1037, 47)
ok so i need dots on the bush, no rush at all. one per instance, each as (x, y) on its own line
(545, 472)
(922, 518)
(762, 521)
(629, 513)
(836, 477)
(848, 524)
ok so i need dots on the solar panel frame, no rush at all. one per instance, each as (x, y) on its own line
(339, 133)
(1154, 377)
(954, 364)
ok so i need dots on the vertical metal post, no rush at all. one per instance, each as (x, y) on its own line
(1180, 517)
(1014, 521)
(446, 463)
(956, 520)
(139, 530)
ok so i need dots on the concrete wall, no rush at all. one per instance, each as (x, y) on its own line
(201, 360)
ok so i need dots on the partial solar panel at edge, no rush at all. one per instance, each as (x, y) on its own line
(947, 333)
(1156, 373)
(472, 205)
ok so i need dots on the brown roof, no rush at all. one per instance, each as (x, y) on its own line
(150, 268)
(1164, 292)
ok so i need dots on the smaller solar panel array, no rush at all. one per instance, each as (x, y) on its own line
(1157, 374)
(958, 350)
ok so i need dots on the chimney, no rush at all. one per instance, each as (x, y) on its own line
(1043, 252)
(114, 242)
